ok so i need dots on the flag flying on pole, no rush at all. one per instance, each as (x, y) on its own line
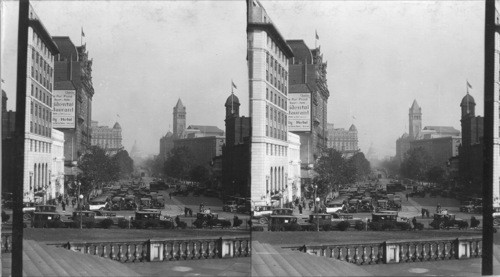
(317, 37)
(468, 85)
(83, 34)
(234, 84)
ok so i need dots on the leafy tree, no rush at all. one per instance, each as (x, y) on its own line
(97, 168)
(179, 163)
(360, 165)
(200, 174)
(124, 162)
(416, 164)
(436, 174)
(332, 170)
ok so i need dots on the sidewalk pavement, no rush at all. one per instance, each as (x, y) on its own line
(210, 267)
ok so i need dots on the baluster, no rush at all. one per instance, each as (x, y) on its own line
(216, 250)
(145, 257)
(348, 258)
(136, 253)
(187, 252)
(425, 254)
(417, 257)
(363, 256)
(372, 255)
(475, 248)
(240, 249)
(433, 251)
(182, 251)
(452, 249)
(356, 255)
(86, 248)
(165, 251)
(380, 254)
(445, 251)
(103, 254)
(410, 255)
(112, 253)
(196, 252)
(401, 253)
(128, 254)
(120, 253)
(478, 249)
(96, 249)
(341, 255)
(439, 252)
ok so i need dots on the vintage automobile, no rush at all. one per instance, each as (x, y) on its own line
(467, 206)
(116, 203)
(87, 218)
(145, 203)
(262, 213)
(285, 223)
(151, 218)
(230, 206)
(48, 220)
(382, 204)
(385, 216)
(447, 221)
(210, 220)
(337, 217)
(336, 205)
(354, 205)
(98, 203)
(102, 215)
(28, 210)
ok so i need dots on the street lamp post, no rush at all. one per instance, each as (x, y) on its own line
(81, 198)
(316, 199)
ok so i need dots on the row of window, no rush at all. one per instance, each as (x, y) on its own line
(41, 46)
(40, 129)
(276, 133)
(276, 150)
(274, 47)
(41, 112)
(40, 146)
(276, 99)
(276, 74)
(276, 115)
(41, 95)
(41, 79)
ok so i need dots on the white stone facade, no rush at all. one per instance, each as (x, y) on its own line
(268, 87)
(38, 120)
(57, 177)
(293, 182)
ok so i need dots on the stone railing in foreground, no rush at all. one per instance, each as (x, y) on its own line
(157, 250)
(6, 241)
(399, 251)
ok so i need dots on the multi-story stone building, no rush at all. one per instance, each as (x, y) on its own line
(308, 85)
(268, 57)
(236, 151)
(471, 149)
(431, 138)
(342, 140)
(179, 120)
(109, 139)
(38, 120)
(73, 97)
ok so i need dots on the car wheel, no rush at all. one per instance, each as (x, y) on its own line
(26, 216)
(262, 220)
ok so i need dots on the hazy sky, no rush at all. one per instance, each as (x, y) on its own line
(381, 56)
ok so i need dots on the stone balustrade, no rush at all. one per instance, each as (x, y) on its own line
(400, 251)
(6, 241)
(166, 249)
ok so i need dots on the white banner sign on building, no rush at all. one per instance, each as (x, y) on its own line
(63, 114)
(299, 112)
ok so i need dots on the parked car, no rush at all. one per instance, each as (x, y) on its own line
(446, 221)
(28, 210)
(262, 213)
(87, 218)
(48, 220)
(98, 203)
(102, 215)
(230, 206)
(151, 218)
(210, 220)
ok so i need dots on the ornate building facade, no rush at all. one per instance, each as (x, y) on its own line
(308, 78)
(179, 120)
(268, 57)
(73, 72)
(109, 139)
(38, 120)
(342, 140)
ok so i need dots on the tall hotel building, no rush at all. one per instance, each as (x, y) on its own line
(267, 56)
(38, 125)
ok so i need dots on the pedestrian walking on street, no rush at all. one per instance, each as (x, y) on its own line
(414, 222)
(300, 209)
(63, 204)
(423, 213)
